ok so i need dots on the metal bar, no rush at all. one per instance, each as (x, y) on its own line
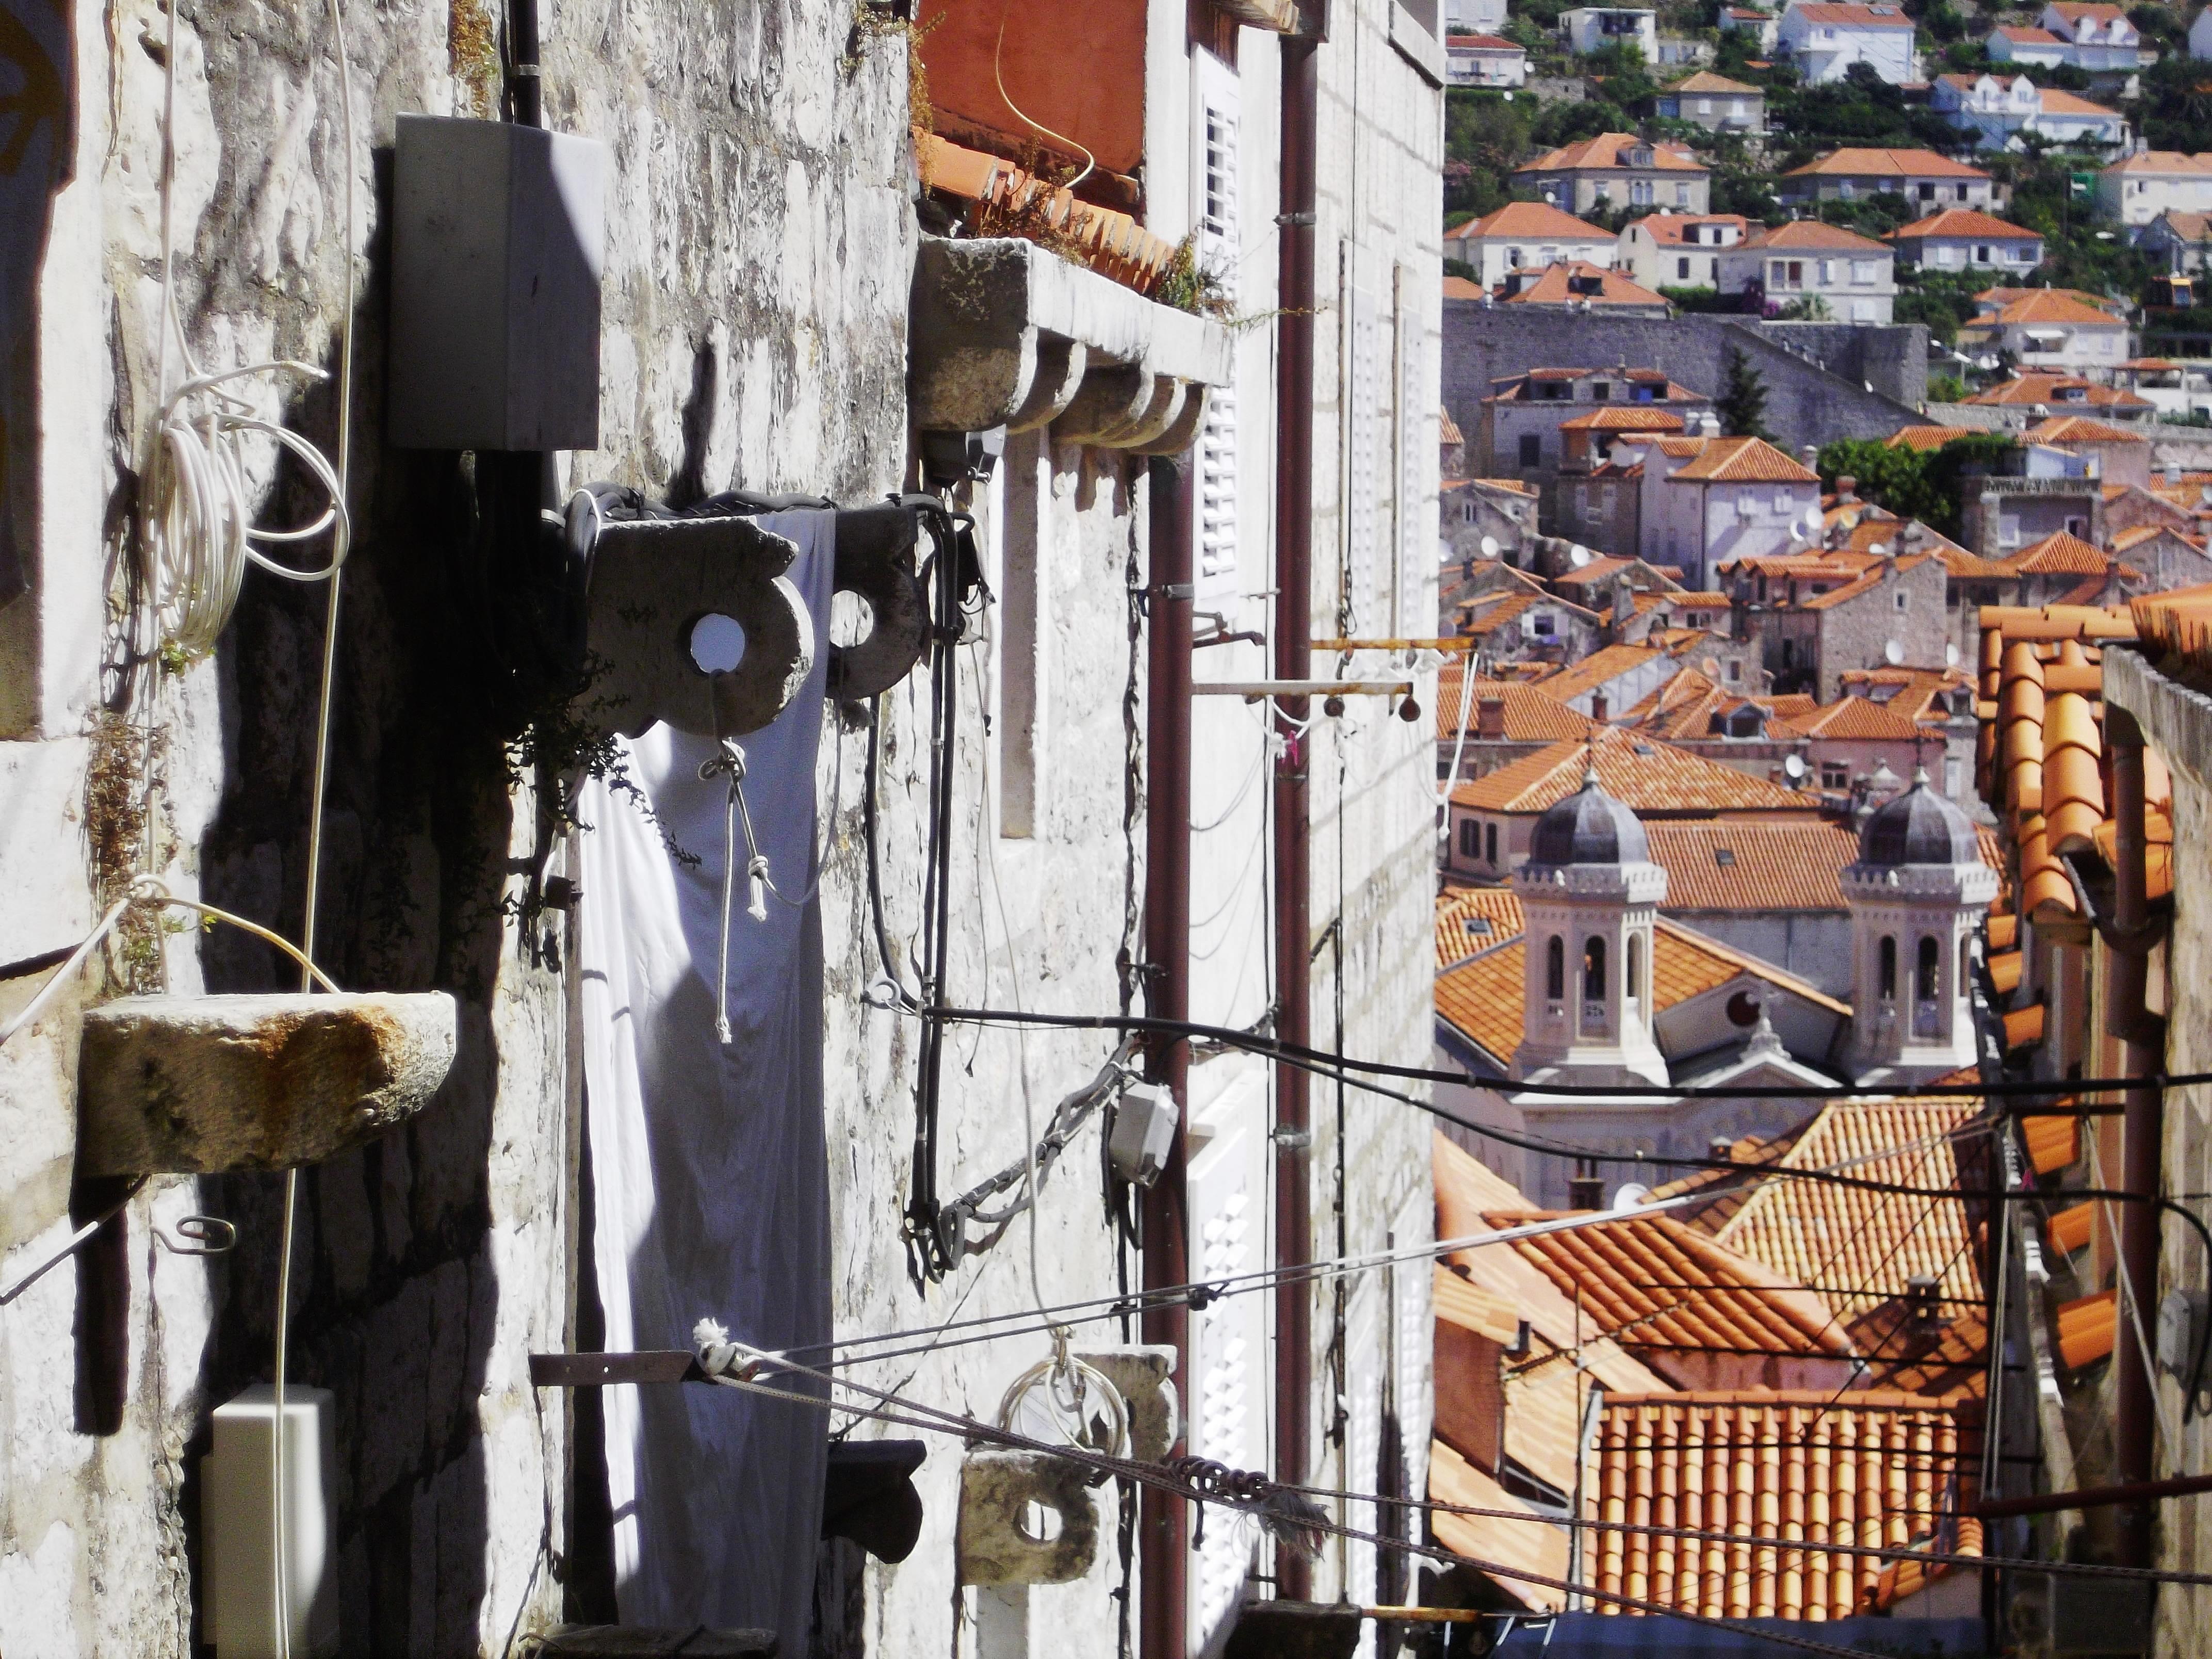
(2095, 1497)
(1164, 1521)
(1455, 642)
(1434, 1615)
(607, 1371)
(1253, 690)
(1300, 91)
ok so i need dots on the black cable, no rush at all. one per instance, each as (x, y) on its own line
(875, 870)
(1293, 1052)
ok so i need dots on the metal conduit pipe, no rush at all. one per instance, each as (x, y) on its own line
(1294, 444)
(2143, 1127)
(1163, 1517)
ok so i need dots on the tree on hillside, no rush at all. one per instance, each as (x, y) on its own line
(1742, 405)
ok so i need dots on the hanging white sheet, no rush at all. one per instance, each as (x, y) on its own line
(708, 1165)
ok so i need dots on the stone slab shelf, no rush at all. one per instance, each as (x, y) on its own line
(201, 1085)
(1005, 333)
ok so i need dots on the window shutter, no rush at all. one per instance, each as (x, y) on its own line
(1230, 1370)
(1363, 416)
(1417, 532)
(1215, 192)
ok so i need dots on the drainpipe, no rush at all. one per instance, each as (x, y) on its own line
(2128, 1019)
(1294, 443)
(1163, 1551)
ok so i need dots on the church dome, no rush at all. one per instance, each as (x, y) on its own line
(1588, 827)
(1919, 827)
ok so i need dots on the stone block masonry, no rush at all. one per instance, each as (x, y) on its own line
(1806, 404)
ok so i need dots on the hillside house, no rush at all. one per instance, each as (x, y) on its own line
(1997, 109)
(1960, 239)
(2098, 38)
(1834, 273)
(2049, 330)
(1515, 429)
(1587, 29)
(1678, 250)
(1486, 60)
(2027, 398)
(1820, 615)
(2137, 189)
(2179, 238)
(1578, 287)
(1926, 181)
(1528, 236)
(1750, 20)
(2118, 456)
(1823, 41)
(1715, 103)
(1617, 170)
(1708, 501)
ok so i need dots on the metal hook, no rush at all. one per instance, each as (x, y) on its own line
(207, 1235)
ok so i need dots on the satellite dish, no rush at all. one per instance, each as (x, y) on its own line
(1950, 656)
(1795, 766)
(1578, 556)
(1796, 532)
(1710, 668)
(1893, 653)
(1634, 1193)
(1490, 547)
(1879, 549)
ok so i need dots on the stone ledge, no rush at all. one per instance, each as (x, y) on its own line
(2175, 720)
(1005, 333)
(200, 1084)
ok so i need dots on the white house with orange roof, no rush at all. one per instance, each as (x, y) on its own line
(1617, 170)
(1678, 250)
(2054, 393)
(1751, 20)
(2137, 189)
(1926, 180)
(1527, 236)
(2098, 38)
(1715, 103)
(1960, 239)
(1580, 286)
(1823, 41)
(1485, 60)
(2049, 329)
(1853, 277)
(2001, 109)
(2122, 457)
(1706, 500)
(1592, 28)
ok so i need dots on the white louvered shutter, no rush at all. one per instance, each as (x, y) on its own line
(1217, 222)
(1364, 1360)
(1362, 417)
(1418, 532)
(1228, 1384)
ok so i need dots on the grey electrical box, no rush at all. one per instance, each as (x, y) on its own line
(498, 240)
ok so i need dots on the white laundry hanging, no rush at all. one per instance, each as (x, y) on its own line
(708, 1164)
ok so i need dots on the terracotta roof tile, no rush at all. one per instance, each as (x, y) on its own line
(1813, 234)
(1685, 963)
(1868, 1467)
(1623, 418)
(1963, 221)
(1821, 1233)
(1853, 16)
(1860, 718)
(1527, 219)
(1647, 777)
(2004, 971)
(2178, 621)
(1635, 1279)
(2073, 793)
(2081, 429)
(1749, 867)
(1849, 163)
(1530, 715)
(2023, 1027)
(2050, 304)
(1929, 437)
(1481, 999)
(1529, 1545)
(2030, 389)
(1669, 229)
(1743, 460)
(1606, 664)
(2053, 1143)
(2070, 1228)
(1558, 286)
(1912, 1574)
(2087, 1328)
(1604, 153)
(1952, 1365)
(1706, 81)
(1471, 920)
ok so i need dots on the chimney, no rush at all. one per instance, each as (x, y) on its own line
(1490, 717)
(1586, 1192)
(2172, 474)
(1709, 425)
(1810, 457)
(1624, 603)
(1722, 1150)
(1847, 491)
(1597, 705)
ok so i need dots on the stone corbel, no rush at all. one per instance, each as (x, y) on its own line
(1007, 334)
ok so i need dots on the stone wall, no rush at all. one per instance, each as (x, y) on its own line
(760, 235)
(1805, 403)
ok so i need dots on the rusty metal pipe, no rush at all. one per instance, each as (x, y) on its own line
(1163, 1517)
(1294, 446)
(2143, 1124)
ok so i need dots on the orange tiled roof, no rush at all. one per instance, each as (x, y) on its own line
(1952, 1366)
(1813, 235)
(2023, 1027)
(1459, 288)
(1607, 664)
(1926, 438)
(1623, 418)
(2033, 388)
(1858, 718)
(1858, 17)
(1527, 219)
(1646, 777)
(2069, 1227)
(1768, 866)
(2060, 555)
(1604, 153)
(1498, 1544)
(1870, 1468)
(1530, 715)
(2050, 304)
(1669, 229)
(1471, 920)
(1685, 964)
(1961, 221)
(1653, 1282)
(1706, 81)
(2178, 621)
(1849, 163)
(1743, 460)
(2085, 1328)
(1481, 999)
(1913, 1573)
(1447, 430)
(1556, 287)
(1868, 1243)
(2053, 1143)
(2080, 429)
(2004, 971)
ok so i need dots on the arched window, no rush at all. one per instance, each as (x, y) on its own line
(1555, 969)
(1888, 968)
(1632, 987)
(1594, 970)
(1931, 973)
